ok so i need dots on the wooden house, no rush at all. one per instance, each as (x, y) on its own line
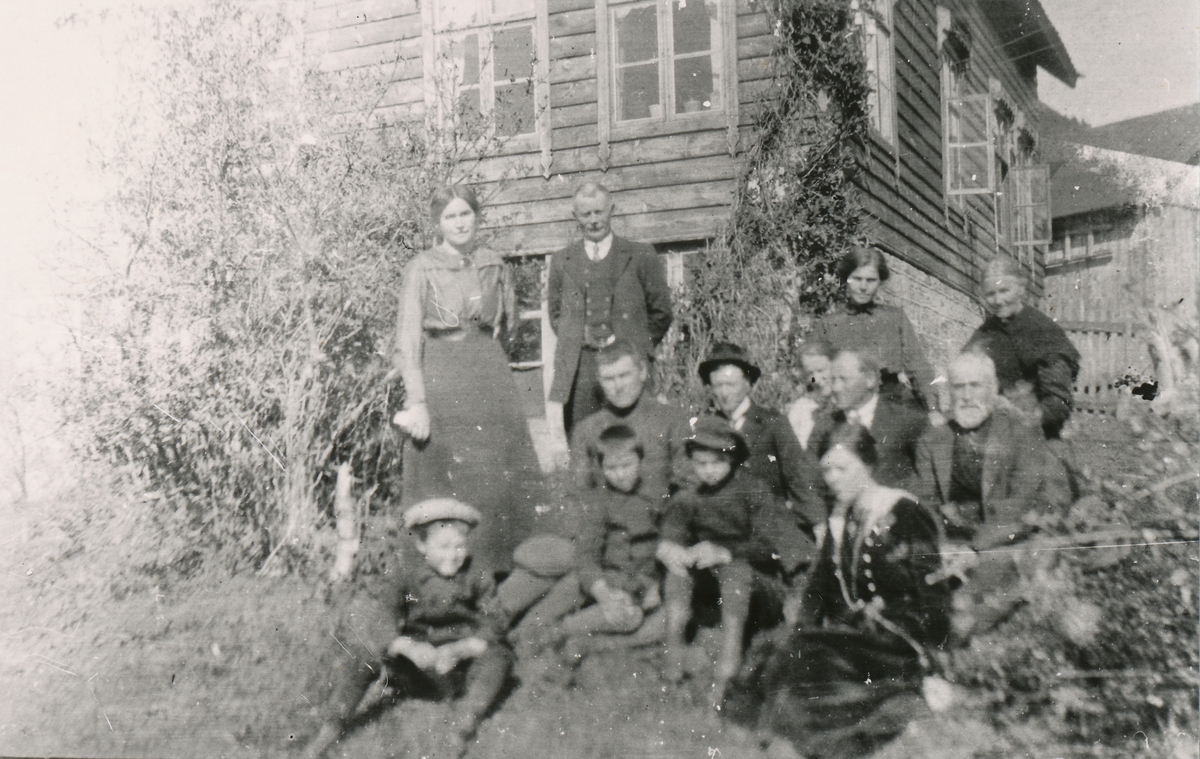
(657, 100)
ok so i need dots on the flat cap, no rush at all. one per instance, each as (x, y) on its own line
(715, 434)
(438, 509)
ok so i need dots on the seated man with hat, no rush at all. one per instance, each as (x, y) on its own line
(775, 457)
(728, 523)
(434, 627)
(984, 473)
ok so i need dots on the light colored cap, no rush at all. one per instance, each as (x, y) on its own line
(438, 509)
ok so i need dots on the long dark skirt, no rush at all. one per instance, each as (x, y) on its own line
(834, 692)
(479, 450)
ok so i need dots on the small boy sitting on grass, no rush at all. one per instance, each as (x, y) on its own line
(612, 563)
(450, 629)
(616, 546)
(730, 524)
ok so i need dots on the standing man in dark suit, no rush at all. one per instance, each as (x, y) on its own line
(774, 457)
(602, 288)
(895, 426)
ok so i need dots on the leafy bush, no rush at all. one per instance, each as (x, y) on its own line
(239, 350)
(795, 210)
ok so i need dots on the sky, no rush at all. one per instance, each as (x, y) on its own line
(1136, 57)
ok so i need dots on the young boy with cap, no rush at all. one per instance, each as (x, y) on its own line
(434, 628)
(730, 524)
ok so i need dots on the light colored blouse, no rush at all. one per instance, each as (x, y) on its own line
(444, 293)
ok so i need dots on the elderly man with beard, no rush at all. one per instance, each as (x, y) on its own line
(984, 474)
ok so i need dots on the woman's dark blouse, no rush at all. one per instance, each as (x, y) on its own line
(887, 559)
(885, 334)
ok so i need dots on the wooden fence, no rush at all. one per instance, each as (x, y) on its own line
(1111, 351)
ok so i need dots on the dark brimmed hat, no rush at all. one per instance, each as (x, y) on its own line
(438, 510)
(729, 353)
(713, 433)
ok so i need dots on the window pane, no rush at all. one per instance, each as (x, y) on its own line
(514, 108)
(637, 34)
(694, 21)
(512, 54)
(694, 90)
(637, 91)
(456, 14)
(464, 55)
(969, 168)
(508, 8)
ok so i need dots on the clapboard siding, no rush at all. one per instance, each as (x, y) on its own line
(675, 180)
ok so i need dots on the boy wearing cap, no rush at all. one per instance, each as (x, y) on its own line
(728, 523)
(434, 628)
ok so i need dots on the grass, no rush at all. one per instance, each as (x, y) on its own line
(221, 666)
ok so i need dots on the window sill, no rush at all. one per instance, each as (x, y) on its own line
(1093, 258)
(683, 122)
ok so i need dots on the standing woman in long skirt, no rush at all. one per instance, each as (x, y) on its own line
(467, 436)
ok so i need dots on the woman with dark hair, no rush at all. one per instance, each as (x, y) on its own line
(849, 674)
(468, 438)
(1036, 363)
(881, 332)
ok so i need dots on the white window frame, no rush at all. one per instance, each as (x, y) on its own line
(877, 33)
(666, 58)
(669, 122)
(438, 35)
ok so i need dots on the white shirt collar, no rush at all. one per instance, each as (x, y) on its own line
(598, 251)
(738, 418)
(864, 414)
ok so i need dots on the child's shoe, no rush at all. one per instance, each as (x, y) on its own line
(326, 737)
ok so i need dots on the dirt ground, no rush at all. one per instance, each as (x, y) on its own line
(218, 666)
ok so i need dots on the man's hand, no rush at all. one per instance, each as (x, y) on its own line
(677, 559)
(708, 554)
(415, 421)
(449, 655)
(419, 653)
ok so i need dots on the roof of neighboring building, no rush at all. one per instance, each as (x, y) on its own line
(1027, 34)
(1172, 135)
(1084, 179)
(1080, 186)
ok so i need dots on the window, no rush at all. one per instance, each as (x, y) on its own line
(970, 146)
(1030, 205)
(666, 59)
(874, 18)
(486, 57)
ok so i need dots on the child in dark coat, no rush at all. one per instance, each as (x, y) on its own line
(434, 628)
(730, 524)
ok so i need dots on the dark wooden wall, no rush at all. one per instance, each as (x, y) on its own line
(679, 185)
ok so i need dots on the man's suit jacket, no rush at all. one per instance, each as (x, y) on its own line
(1020, 474)
(896, 428)
(641, 310)
(777, 458)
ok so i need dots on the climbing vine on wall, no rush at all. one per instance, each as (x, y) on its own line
(795, 210)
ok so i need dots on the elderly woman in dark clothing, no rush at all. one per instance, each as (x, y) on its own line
(1035, 362)
(848, 675)
(883, 333)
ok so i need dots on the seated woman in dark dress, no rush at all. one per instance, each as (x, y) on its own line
(1035, 363)
(848, 675)
(880, 332)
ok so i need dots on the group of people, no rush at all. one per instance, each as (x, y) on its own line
(816, 532)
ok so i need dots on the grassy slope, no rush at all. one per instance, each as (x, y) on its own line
(230, 667)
